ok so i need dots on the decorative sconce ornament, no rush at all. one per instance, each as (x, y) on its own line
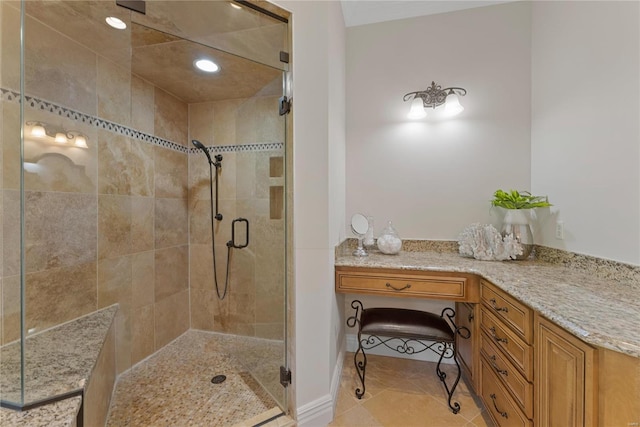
(50, 133)
(434, 96)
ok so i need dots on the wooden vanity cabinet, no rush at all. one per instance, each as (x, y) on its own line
(565, 378)
(527, 370)
(468, 349)
(506, 357)
(407, 283)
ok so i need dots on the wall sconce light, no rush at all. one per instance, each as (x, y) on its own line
(50, 133)
(434, 96)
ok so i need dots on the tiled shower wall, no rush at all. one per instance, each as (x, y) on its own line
(110, 223)
(255, 302)
(106, 224)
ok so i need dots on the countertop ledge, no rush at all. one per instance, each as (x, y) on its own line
(55, 365)
(601, 312)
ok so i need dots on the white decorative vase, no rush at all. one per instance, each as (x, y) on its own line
(389, 242)
(516, 222)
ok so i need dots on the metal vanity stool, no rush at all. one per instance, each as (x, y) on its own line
(409, 332)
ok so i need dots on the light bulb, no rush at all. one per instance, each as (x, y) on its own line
(61, 138)
(38, 131)
(81, 141)
(452, 105)
(116, 23)
(206, 65)
(417, 109)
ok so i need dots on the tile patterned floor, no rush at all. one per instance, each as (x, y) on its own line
(403, 393)
(174, 388)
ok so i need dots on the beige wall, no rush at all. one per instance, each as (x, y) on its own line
(433, 177)
(106, 224)
(581, 150)
(254, 306)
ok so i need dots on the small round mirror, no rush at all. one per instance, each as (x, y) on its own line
(359, 224)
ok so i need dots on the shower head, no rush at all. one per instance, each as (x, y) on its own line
(199, 145)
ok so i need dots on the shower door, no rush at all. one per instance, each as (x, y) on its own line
(233, 113)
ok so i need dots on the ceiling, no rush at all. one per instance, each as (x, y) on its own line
(244, 43)
(361, 12)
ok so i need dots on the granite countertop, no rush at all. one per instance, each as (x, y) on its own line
(604, 312)
(58, 361)
(58, 414)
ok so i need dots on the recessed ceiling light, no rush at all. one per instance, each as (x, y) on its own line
(206, 65)
(116, 23)
(235, 6)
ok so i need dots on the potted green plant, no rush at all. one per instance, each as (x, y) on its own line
(517, 215)
(514, 199)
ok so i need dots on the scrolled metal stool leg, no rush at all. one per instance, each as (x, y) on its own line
(360, 368)
(455, 406)
(362, 364)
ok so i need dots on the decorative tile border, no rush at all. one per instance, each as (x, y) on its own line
(9, 95)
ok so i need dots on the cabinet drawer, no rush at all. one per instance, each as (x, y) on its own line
(518, 316)
(503, 409)
(409, 284)
(521, 390)
(512, 346)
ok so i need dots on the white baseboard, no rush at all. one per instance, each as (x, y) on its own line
(426, 356)
(320, 412)
(337, 375)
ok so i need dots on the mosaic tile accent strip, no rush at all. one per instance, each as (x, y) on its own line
(9, 95)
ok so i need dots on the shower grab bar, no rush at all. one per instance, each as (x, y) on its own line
(218, 165)
(232, 243)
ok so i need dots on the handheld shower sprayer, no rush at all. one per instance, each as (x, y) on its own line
(199, 145)
(217, 164)
(218, 217)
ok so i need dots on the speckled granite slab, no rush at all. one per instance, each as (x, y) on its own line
(601, 311)
(58, 414)
(57, 361)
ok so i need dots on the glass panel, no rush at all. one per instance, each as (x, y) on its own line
(10, 205)
(64, 87)
(224, 25)
(116, 198)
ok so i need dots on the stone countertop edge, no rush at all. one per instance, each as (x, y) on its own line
(93, 329)
(603, 312)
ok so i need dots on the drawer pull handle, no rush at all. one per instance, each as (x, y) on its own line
(495, 306)
(495, 367)
(470, 318)
(493, 399)
(407, 286)
(497, 338)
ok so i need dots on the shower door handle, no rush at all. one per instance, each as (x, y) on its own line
(232, 243)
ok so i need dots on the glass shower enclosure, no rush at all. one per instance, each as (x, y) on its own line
(106, 201)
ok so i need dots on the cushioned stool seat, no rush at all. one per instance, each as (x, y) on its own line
(410, 332)
(403, 323)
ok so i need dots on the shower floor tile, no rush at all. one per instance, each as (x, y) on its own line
(173, 387)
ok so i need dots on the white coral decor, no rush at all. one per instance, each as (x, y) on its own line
(484, 242)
